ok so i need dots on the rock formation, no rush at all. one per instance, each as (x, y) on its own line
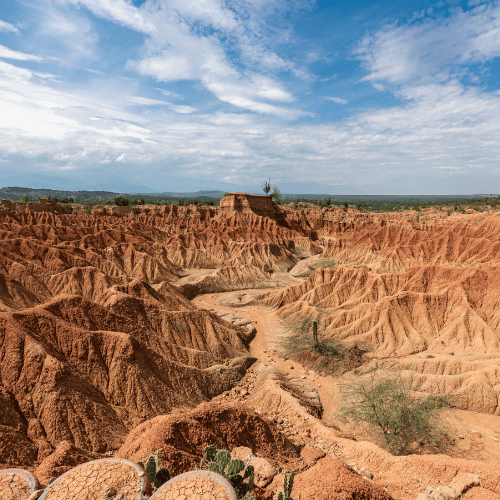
(103, 350)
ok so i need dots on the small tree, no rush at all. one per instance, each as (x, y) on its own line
(384, 403)
(24, 198)
(276, 195)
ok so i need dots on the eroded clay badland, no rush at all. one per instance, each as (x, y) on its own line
(136, 329)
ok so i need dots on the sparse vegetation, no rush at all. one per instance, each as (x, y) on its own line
(403, 423)
(378, 204)
(121, 201)
(324, 354)
(325, 264)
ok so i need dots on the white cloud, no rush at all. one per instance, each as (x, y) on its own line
(431, 50)
(338, 100)
(183, 109)
(169, 93)
(144, 101)
(119, 11)
(166, 68)
(445, 129)
(197, 39)
(7, 53)
(4, 26)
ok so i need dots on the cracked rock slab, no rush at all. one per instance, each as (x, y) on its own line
(196, 485)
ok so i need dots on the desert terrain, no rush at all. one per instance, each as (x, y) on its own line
(136, 329)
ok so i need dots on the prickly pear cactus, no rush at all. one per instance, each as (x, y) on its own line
(220, 461)
(157, 474)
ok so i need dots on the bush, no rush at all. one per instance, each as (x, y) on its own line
(121, 201)
(384, 404)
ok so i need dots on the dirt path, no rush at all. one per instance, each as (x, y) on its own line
(478, 435)
(266, 344)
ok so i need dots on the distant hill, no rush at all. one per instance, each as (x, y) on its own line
(13, 193)
(207, 194)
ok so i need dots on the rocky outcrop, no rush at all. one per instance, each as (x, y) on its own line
(244, 203)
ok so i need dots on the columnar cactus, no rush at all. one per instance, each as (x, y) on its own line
(220, 461)
(315, 332)
(287, 487)
(157, 474)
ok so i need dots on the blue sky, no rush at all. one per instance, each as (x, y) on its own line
(399, 97)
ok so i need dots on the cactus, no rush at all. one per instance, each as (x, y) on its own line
(287, 487)
(220, 461)
(157, 474)
(315, 332)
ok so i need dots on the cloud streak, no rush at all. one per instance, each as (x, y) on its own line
(337, 100)
(4, 26)
(6, 53)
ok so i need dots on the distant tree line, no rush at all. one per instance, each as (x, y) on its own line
(390, 205)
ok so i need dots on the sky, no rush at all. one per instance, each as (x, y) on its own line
(399, 97)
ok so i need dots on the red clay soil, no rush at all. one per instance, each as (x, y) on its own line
(182, 437)
(226, 279)
(332, 479)
(75, 370)
(65, 457)
(97, 342)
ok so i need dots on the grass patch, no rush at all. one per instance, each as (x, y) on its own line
(331, 356)
(325, 264)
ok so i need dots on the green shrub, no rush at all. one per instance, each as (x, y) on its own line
(303, 339)
(384, 404)
(329, 355)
